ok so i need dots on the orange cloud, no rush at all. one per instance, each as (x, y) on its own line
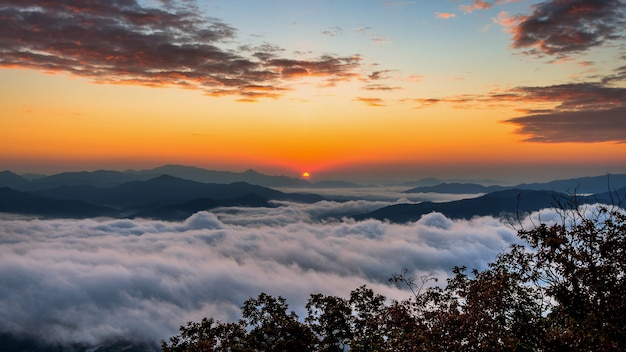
(444, 15)
(370, 101)
(477, 5)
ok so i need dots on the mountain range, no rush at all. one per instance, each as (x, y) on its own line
(581, 185)
(158, 194)
(505, 203)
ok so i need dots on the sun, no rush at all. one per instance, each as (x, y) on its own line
(306, 174)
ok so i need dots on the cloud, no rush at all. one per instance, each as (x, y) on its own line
(91, 280)
(378, 75)
(565, 27)
(444, 15)
(375, 38)
(380, 87)
(476, 5)
(585, 112)
(371, 101)
(125, 42)
(333, 31)
(574, 126)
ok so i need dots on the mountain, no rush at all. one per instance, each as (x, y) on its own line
(455, 188)
(581, 185)
(111, 178)
(164, 193)
(226, 177)
(167, 189)
(13, 201)
(499, 203)
(12, 180)
(178, 212)
(336, 184)
(100, 178)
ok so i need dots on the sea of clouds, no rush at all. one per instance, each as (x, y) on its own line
(92, 280)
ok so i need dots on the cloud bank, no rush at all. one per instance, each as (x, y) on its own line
(92, 280)
(127, 42)
(585, 112)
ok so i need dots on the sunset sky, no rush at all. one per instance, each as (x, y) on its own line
(505, 89)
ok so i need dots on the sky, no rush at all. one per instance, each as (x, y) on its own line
(516, 90)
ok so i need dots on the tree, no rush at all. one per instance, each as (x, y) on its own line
(580, 263)
(273, 329)
(563, 289)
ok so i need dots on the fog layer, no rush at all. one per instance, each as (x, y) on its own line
(96, 279)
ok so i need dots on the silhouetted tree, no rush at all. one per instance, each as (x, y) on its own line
(563, 289)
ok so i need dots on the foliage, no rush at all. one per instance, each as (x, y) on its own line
(564, 289)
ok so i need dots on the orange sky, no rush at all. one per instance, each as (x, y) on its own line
(378, 108)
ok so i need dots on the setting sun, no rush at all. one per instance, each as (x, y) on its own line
(306, 174)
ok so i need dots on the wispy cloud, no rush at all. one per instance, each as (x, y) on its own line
(333, 31)
(476, 5)
(566, 27)
(444, 15)
(375, 38)
(371, 101)
(124, 42)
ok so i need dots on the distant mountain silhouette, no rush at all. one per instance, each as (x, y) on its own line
(178, 212)
(13, 201)
(110, 178)
(164, 193)
(499, 203)
(12, 180)
(456, 188)
(226, 177)
(336, 184)
(581, 185)
(100, 178)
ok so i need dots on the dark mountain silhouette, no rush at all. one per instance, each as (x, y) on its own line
(456, 188)
(581, 185)
(337, 184)
(110, 178)
(13, 201)
(178, 212)
(168, 191)
(100, 178)
(226, 177)
(501, 203)
(12, 180)
(430, 181)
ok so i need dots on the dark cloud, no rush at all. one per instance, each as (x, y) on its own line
(563, 27)
(607, 125)
(92, 280)
(576, 112)
(124, 42)
(378, 75)
(585, 112)
(381, 87)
